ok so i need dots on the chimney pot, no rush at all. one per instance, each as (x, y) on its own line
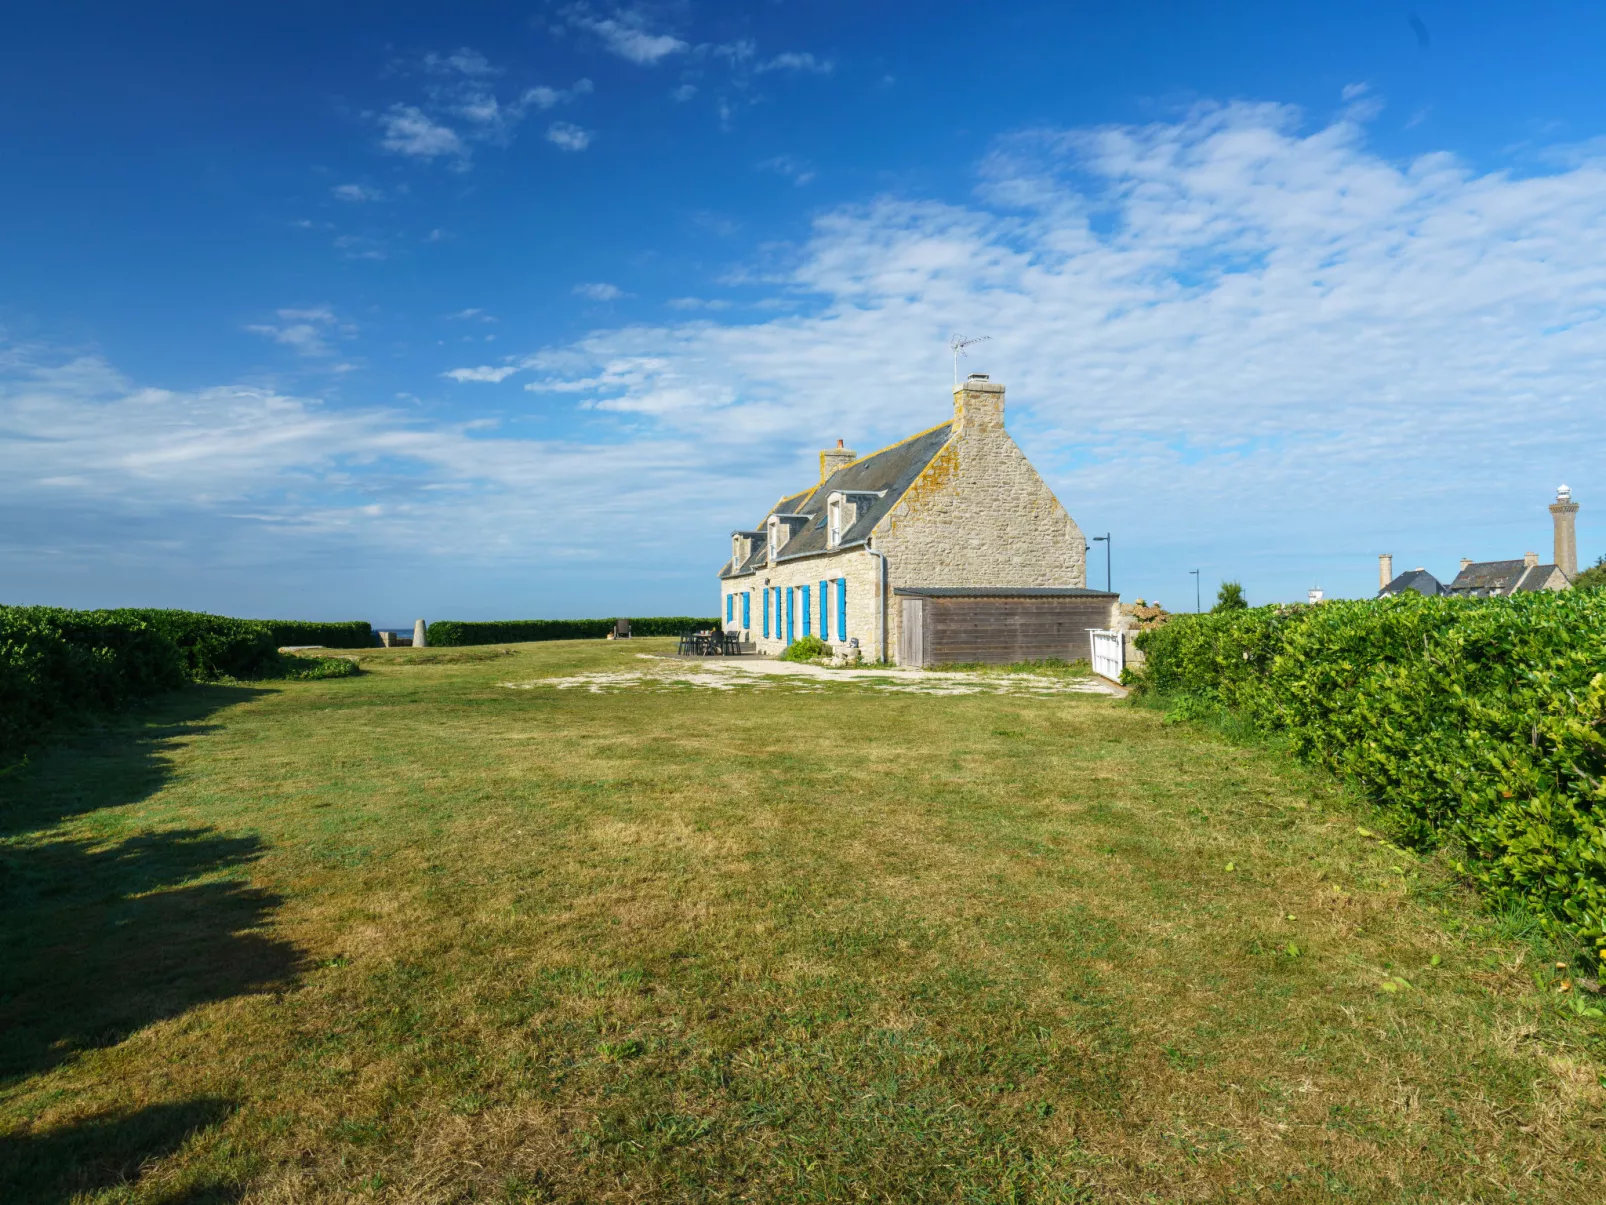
(833, 459)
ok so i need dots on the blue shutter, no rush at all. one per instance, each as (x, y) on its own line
(825, 611)
(730, 608)
(766, 612)
(791, 608)
(806, 610)
(747, 610)
(841, 608)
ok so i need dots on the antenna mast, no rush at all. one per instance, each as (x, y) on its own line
(957, 345)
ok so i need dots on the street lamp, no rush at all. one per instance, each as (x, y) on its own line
(1196, 599)
(1105, 540)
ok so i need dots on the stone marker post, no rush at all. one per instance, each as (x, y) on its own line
(420, 634)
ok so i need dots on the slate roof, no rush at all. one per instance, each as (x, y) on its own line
(892, 470)
(1419, 580)
(1500, 578)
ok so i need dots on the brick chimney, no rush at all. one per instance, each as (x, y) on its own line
(1385, 569)
(1562, 512)
(978, 405)
(1531, 560)
(833, 459)
(1465, 561)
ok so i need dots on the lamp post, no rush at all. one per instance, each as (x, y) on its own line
(1196, 598)
(1105, 540)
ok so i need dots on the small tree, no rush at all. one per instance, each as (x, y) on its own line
(1230, 598)
(1592, 578)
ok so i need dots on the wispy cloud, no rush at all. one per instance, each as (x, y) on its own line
(485, 373)
(568, 136)
(357, 193)
(627, 35)
(407, 130)
(461, 106)
(600, 291)
(793, 169)
(308, 332)
(799, 61)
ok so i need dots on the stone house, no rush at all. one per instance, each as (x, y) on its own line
(945, 547)
(1498, 579)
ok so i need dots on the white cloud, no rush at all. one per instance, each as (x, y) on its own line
(568, 136)
(795, 170)
(799, 61)
(494, 376)
(407, 130)
(626, 35)
(1238, 342)
(461, 62)
(357, 193)
(600, 291)
(305, 331)
(683, 93)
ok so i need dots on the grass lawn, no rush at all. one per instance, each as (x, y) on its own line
(418, 936)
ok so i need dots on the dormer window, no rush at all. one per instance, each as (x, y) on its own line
(843, 509)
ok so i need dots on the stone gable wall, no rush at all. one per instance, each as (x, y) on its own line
(979, 515)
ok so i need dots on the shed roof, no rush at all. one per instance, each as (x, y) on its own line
(1003, 592)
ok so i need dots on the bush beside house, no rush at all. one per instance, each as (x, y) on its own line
(1480, 721)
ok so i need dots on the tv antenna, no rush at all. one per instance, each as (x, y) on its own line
(957, 345)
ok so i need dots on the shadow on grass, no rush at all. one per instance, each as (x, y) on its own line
(108, 1151)
(101, 937)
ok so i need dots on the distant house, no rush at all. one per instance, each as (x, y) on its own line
(945, 547)
(1418, 579)
(1499, 579)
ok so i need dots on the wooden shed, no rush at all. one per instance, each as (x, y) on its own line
(997, 625)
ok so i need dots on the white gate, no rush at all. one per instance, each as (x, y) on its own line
(1109, 653)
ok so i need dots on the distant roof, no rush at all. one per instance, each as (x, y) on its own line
(1501, 577)
(1003, 592)
(1419, 580)
(892, 470)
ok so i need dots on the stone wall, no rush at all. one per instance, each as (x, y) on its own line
(979, 515)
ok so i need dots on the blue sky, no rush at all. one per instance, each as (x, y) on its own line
(518, 310)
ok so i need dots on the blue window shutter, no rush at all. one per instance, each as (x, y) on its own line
(747, 609)
(766, 612)
(841, 608)
(791, 607)
(825, 610)
(730, 607)
(806, 609)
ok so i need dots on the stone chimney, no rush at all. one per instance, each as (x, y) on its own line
(978, 405)
(1385, 569)
(833, 459)
(1562, 512)
(1530, 560)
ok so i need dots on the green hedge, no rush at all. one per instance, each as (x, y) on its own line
(57, 664)
(1478, 720)
(350, 634)
(446, 633)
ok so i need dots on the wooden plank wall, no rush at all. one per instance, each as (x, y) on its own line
(998, 631)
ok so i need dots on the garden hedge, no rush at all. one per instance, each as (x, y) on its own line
(57, 664)
(1481, 721)
(351, 634)
(454, 632)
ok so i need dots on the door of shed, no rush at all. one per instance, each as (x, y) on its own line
(911, 633)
